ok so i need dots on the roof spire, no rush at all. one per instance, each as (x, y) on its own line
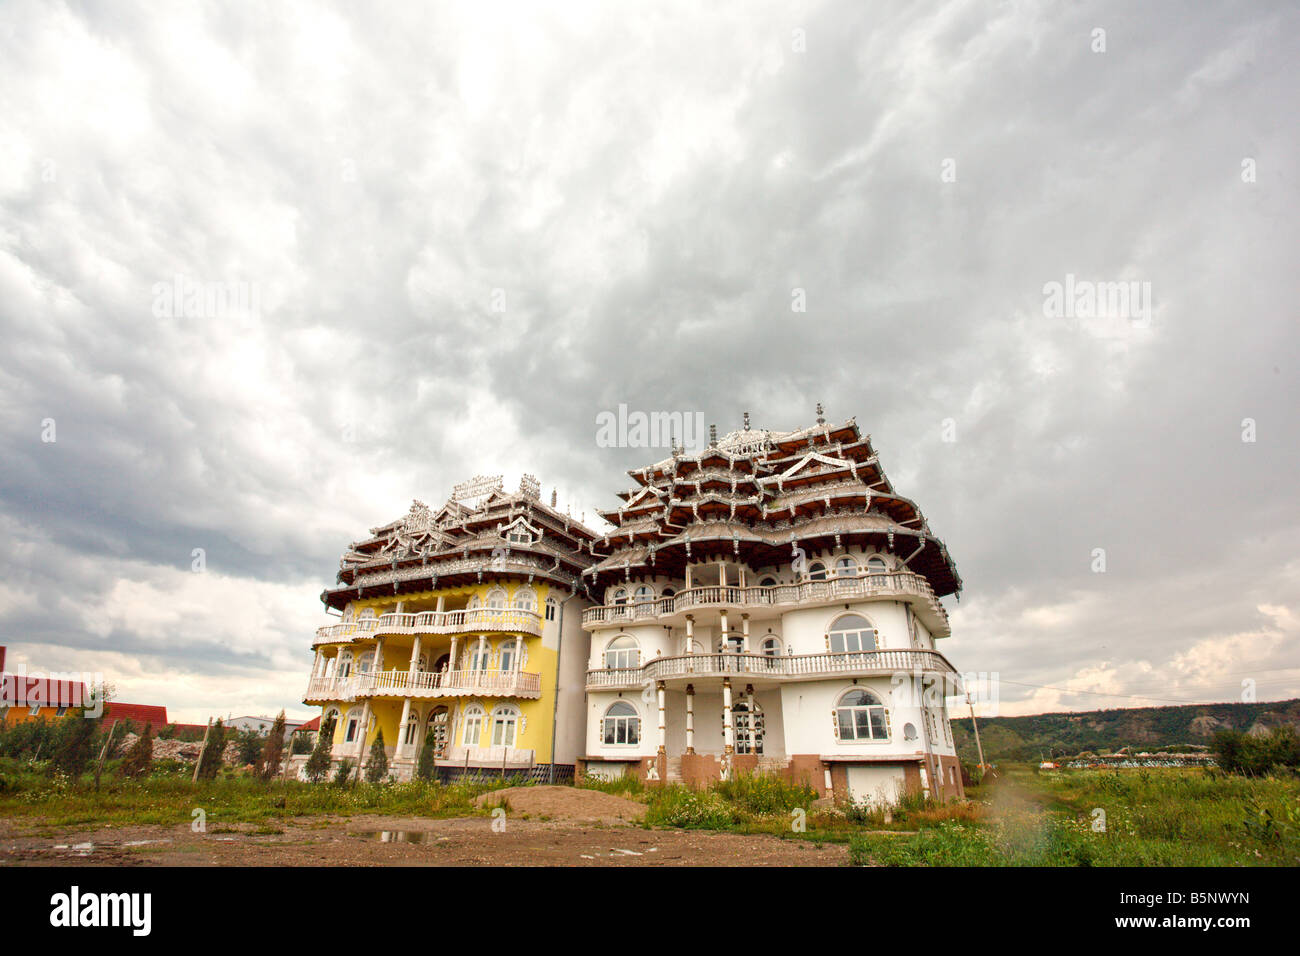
(552, 497)
(746, 421)
(820, 412)
(713, 436)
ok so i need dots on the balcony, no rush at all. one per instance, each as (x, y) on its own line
(761, 669)
(425, 684)
(477, 621)
(895, 585)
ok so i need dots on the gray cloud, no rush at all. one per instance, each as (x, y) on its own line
(644, 191)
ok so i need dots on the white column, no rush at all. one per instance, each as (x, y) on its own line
(690, 633)
(663, 726)
(400, 744)
(361, 732)
(415, 655)
(744, 641)
(690, 718)
(725, 632)
(728, 727)
(315, 665)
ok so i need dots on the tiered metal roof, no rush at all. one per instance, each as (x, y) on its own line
(755, 495)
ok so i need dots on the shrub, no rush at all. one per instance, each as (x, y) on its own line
(268, 762)
(73, 743)
(318, 764)
(678, 806)
(343, 773)
(765, 793)
(210, 761)
(139, 759)
(1255, 755)
(377, 766)
(425, 765)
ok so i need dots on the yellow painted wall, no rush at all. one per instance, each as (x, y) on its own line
(542, 660)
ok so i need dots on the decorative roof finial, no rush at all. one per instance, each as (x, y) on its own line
(746, 421)
(820, 412)
(552, 497)
(713, 436)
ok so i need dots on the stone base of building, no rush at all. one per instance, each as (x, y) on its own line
(829, 778)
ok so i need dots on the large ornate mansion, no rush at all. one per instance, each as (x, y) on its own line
(767, 604)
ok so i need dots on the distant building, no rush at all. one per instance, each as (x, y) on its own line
(24, 697)
(260, 724)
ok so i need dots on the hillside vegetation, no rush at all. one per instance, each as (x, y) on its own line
(1105, 731)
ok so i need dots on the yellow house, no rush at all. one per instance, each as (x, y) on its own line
(460, 630)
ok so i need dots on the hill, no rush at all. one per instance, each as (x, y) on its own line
(1105, 731)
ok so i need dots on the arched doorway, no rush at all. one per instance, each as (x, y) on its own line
(438, 723)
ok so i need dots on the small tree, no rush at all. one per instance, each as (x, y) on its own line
(426, 763)
(342, 775)
(249, 744)
(377, 768)
(139, 758)
(212, 758)
(318, 764)
(73, 743)
(273, 750)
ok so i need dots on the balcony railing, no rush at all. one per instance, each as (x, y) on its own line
(795, 666)
(435, 622)
(400, 683)
(865, 585)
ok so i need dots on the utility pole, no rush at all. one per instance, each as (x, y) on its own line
(202, 750)
(976, 726)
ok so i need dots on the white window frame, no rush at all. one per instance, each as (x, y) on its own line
(629, 647)
(851, 635)
(473, 718)
(630, 724)
(505, 725)
(855, 712)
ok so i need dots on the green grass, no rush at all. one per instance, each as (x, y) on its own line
(169, 798)
(1164, 817)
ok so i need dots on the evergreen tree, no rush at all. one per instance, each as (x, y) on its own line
(139, 759)
(377, 768)
(273, 750)
(73, 743)
(425, 765)
(213, 756)
(318, 764)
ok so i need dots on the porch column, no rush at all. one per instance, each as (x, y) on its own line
(725, 630)
(315, 665)
(400, 744)
(663, 726)
(728, 725)
(439, 607)
(379, 654)
(744, 640)
(451, 661)
(688, 577)
(690, 718)
(361, 734)
(415, 655)
(690, 633)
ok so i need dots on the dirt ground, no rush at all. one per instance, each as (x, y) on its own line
(564, 803)
(412, 841)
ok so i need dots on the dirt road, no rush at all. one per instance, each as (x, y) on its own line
(381, 841)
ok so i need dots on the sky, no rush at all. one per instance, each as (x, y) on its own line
(419, 242)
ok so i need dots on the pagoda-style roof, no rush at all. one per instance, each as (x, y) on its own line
(495, 534)
(756, 494)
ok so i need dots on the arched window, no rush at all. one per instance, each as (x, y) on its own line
(353, 726)
(509, 654)
(733, 644)
(644, 594)
(505, 725)
(861, 716)
(669, 592)
(368, 614)
(496, 599)
(846, 567)
(525, 600)
(412, 733)
(473, 725)
(622, 652)
(851, 633)
(550, 609)
(345, 664)
(771, 647)
(877, 568)
(621, 724)
(475, 603)
(479, 652)
(365, 662)
(817, 571)
(767, 582)
(620, 596)
(331, 715)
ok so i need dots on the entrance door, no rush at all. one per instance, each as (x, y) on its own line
(747, 717)
(439, 724)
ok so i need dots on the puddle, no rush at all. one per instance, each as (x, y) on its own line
(81, 849)
(398, 836)
(144, 842)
